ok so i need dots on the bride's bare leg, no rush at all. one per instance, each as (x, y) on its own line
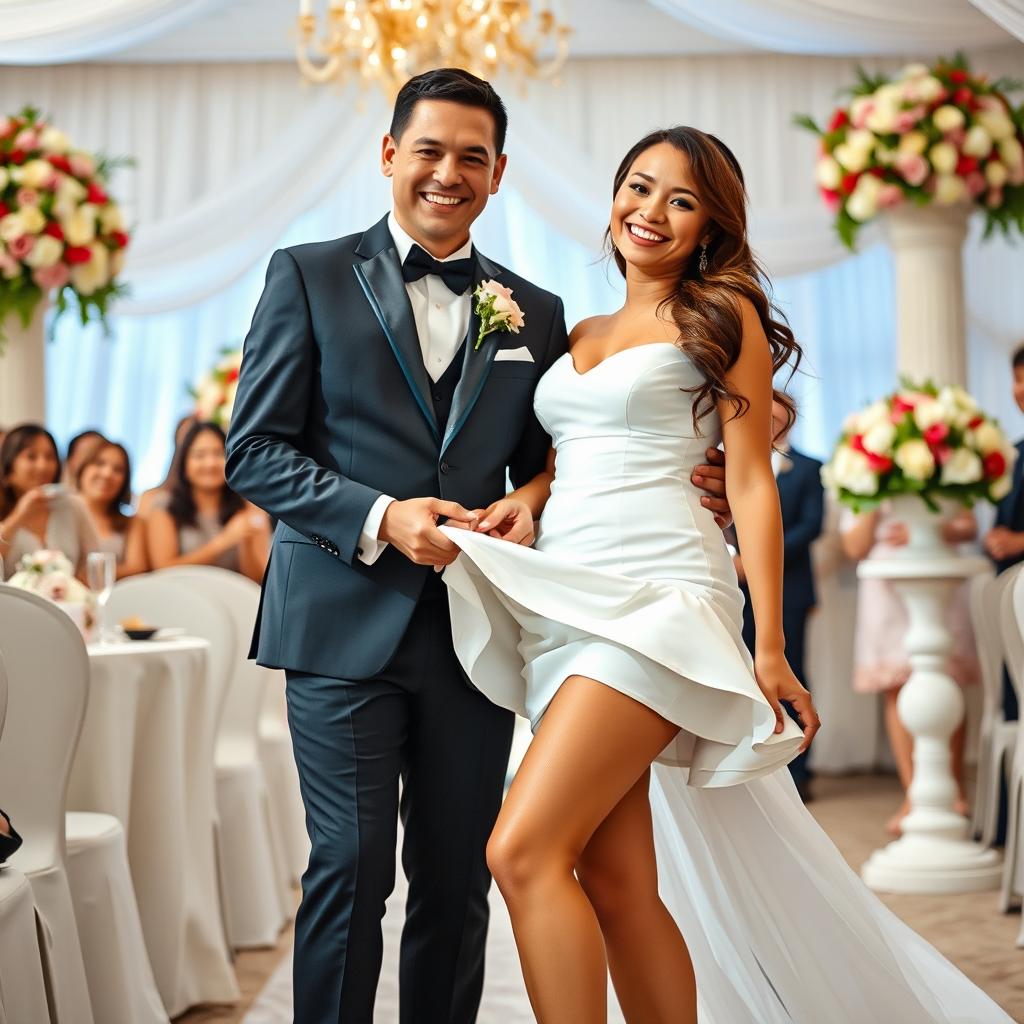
(649, 962)
(592, 748)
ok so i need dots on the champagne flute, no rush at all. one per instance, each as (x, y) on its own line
(101, 572)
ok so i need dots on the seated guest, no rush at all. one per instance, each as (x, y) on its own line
(104, 482)
(72, 458)
(1005, 541)
(802, 502)
(145, 504)
(200, 520)
(35, 510)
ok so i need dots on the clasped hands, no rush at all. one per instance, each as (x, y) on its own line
(412, 525)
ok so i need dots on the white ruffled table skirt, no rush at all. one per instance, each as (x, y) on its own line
(146, 756)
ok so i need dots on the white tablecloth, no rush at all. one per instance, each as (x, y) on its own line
(146, 756)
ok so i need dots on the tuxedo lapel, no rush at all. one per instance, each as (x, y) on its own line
(476, 362)
(380, 277)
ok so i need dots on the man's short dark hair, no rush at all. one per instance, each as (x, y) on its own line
(455, 86)
(1018, 356)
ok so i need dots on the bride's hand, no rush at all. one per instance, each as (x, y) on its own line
(508, 519)
(778, 683)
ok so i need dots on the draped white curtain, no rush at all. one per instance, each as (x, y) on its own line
(53, 31)
(841, 27)
(1008, 13)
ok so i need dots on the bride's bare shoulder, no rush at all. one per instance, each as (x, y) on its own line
(592, 325)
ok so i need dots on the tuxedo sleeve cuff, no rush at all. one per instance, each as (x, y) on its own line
(370, 547)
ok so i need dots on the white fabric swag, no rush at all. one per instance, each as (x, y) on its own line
(840, 27)
(1008, 13)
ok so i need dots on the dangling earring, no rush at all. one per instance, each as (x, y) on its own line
(702, 265)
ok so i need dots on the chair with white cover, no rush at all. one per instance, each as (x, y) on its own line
(996, 736)
(22, 987)
(1013, 856)
(252, 906)
(48, 684)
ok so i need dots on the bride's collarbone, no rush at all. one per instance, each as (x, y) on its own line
(589, 351)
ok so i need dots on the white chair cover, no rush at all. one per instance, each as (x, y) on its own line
(121, 983)
(48, 683)
(22, 989)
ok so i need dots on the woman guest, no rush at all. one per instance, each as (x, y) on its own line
(104, 482)
(35, 510)
(200, 520)
(73, 457)
(150, 497)
(880, 661)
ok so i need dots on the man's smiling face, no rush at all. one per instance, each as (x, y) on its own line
(443, 169)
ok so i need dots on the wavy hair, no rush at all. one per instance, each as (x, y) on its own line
(90, 456)
(705, 306)
(181, 503)
(16, 441)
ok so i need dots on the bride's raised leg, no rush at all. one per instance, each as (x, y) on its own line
(593, 747)
(649, 963)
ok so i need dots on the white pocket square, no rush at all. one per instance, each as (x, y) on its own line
(516, 355)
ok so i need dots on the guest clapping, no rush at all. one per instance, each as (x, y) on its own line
(35, 510)
(200, 520)
(103, 478)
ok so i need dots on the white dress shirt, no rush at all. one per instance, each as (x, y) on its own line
(442, 320)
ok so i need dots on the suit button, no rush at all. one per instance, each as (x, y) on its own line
(445, 467)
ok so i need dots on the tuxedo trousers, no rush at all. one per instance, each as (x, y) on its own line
(418, 727)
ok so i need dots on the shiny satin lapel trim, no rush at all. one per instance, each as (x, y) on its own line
(476, 367)
(381, 280)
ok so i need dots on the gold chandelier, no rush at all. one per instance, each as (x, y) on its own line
(389, 41)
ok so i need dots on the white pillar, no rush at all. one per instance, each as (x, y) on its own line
(927, 243)
(23, 371)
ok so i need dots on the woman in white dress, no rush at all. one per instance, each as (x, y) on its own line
(618, 635)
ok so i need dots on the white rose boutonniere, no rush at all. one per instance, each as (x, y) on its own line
(497, 310)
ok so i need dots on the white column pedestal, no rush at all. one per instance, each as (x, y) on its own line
(927, 244)
(934, 854)
(23, 371)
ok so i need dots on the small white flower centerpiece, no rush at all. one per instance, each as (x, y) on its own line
(51, 575)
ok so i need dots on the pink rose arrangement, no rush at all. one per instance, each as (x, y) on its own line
(924, 440)
(60, 231)
(214, 394)
(937, 134)
(497, 310)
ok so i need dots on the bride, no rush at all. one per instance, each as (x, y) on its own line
(649, 831)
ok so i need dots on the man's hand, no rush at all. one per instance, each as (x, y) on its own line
(508, 519)
(1002, 542)
(710, 478)
(411, 526)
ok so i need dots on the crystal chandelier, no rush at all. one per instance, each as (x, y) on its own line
(389, 41)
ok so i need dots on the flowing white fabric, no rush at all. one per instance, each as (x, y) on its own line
(630, 584)
(839, 27)
(54, 31)
(1008, 13)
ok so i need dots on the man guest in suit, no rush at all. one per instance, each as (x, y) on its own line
(803, 506)
(365, 415)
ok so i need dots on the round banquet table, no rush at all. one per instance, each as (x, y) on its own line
(146, 755)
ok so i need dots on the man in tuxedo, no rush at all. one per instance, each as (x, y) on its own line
(365, 415)
(802, 501)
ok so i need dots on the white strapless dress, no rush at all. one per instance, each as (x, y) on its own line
(630, 583)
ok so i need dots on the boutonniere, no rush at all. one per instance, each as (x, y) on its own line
(496, 309)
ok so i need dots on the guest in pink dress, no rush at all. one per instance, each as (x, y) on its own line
(880, 658)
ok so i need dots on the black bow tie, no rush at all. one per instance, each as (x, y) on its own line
(456, 274)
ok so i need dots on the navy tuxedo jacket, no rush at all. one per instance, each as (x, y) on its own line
(802, 500)
(1010, 512)
(333, 409)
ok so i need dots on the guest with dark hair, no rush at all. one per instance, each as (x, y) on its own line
(199, 520)
(72, 458)
(146, 501)
(36, 511)
(1005, 541)
(104, 482)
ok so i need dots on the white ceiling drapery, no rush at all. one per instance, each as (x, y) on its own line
(1008, 13)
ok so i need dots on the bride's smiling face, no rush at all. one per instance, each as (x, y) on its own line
(658, 217)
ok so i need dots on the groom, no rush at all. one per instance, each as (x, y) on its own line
(366, 414)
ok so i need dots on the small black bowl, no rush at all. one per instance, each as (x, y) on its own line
(141, 634)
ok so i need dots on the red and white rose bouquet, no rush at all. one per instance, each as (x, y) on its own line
(215, 393)
(932, 442)
(60, 231)
(938, 134)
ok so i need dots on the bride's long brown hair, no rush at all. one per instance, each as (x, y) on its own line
(704, 304)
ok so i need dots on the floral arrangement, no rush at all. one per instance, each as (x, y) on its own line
(59, 229)
(923, 440)
(497, 310)
(49, 574)
(215, 393)
(939, 135)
